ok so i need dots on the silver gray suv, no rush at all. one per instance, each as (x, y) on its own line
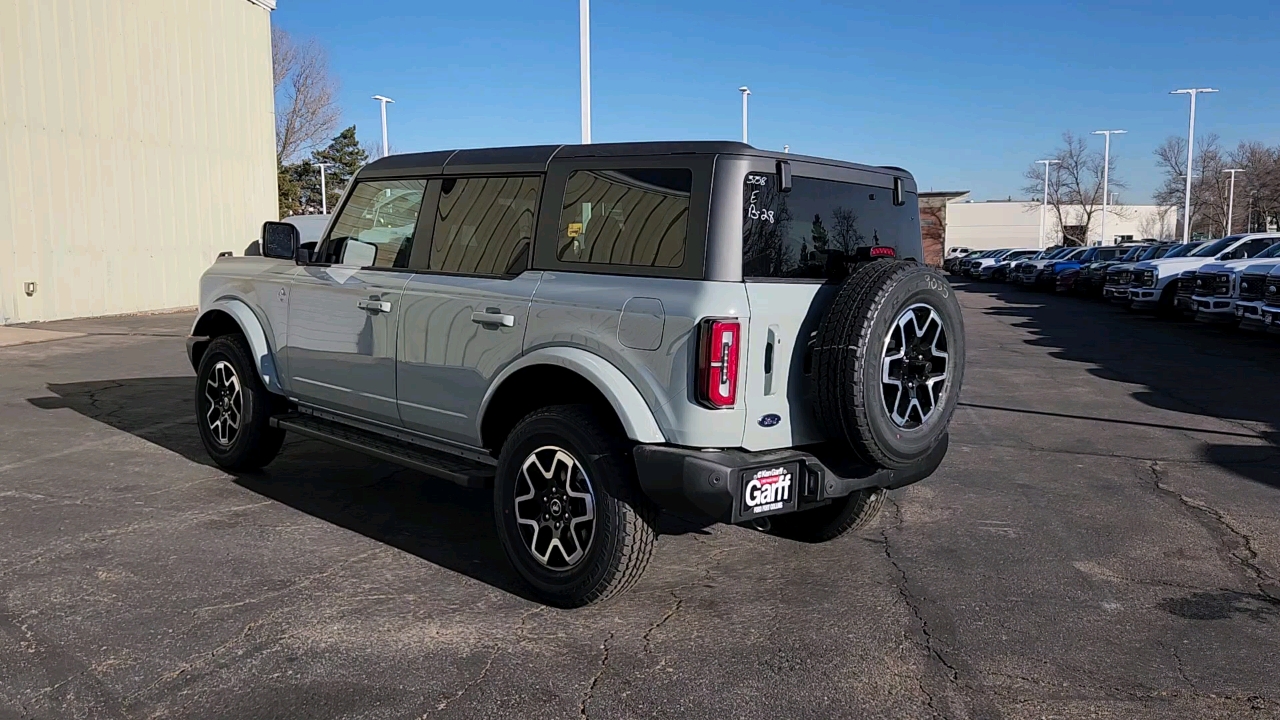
(598, 333)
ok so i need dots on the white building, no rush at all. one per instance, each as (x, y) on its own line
(1016, 223)
(136, 142)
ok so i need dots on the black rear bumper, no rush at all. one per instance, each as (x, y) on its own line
(710, 484)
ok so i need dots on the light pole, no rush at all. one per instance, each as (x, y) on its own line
(1231, 204)
(1106, 176)
(1044, 199)
(746, 92)
(1191, 141)
(584, 55)
(324, 195)
(384, 100)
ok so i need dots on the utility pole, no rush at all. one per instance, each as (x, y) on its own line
(584, 54)
(746, 92)
(1106, 176)
(1044, 199)
(1191, 141)
(1231, 204)
(324, 195)
(384, 100)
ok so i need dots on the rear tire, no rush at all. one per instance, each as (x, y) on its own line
(888, 363)
(234, 408)
(829, 522)
(559, 465)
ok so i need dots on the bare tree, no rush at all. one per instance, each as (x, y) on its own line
(1161, 224)
(306, 95)
(1075, 187)
(1258, 187)
(1208, 184)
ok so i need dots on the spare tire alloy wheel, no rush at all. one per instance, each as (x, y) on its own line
(914, 366)
(226, 403)
(557, 511)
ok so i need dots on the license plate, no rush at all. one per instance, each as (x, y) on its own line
(770, 490)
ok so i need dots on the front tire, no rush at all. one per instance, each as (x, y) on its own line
(234, 408)
(843, 515)
(569, 511)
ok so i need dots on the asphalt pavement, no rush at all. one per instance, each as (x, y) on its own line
(1103, 541)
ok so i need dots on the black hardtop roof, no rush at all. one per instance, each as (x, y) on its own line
(535, 158)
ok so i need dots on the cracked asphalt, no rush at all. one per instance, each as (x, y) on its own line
(1103, 541)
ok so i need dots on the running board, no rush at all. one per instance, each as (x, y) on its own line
(462, 471)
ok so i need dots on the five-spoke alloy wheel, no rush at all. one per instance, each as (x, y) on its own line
(914, 366)
(226, 403)
(233, 407)
(570, 514)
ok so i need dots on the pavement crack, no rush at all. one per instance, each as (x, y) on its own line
(591, 688)
(912, 603)
(648, 634)
(1245, 553)
(484, 672)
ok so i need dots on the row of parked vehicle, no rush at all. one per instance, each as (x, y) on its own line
(1234, 279)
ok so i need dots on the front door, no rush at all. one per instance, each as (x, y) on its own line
(345, 309)
(464, 313)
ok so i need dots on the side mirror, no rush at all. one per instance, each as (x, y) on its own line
(279, 240)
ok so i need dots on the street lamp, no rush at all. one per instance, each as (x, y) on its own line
(1191, 141)
(384, 100)
(1044, 199)
(1231, 204)
(745, 93)
(584, 55)
(324, 195)
(1106, 175)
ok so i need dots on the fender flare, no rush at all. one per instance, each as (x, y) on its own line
(637, 419)
(251, 328)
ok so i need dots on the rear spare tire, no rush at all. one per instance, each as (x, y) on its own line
(888, 362)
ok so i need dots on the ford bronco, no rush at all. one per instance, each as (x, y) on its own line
(597, 333)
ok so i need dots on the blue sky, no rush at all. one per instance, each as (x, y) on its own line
(964, 95)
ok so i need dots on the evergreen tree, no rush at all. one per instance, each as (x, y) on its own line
(344, 157)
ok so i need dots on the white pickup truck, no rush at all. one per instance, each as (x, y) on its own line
(1216, 286)
(1167, 285)
(1252, 292)
(1270, 306)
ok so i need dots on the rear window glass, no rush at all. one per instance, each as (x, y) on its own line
(626, 217)
(809, 232)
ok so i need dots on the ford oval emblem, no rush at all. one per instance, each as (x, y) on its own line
(770, 420)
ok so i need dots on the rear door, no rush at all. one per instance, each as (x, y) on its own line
(795, 252)
(466, 308)
(344, 310)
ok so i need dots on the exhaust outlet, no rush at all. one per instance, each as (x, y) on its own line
(761, 524)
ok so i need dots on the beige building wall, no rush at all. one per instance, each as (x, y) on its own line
(992, 225)
(136, 142)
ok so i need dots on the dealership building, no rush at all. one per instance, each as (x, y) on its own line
(1016, 223)
(137, 141)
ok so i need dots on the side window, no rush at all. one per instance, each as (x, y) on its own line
(484, 224)
(375, 228)
(1253, 247)
(626, 217)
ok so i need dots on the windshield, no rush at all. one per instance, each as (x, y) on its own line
(1214, 247)
(1181, 250)
(1135, 254)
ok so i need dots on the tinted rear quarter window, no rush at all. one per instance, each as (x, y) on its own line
(637, 218)
(809, 233)
(483, 224)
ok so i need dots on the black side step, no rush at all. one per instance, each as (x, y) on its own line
(446, 466)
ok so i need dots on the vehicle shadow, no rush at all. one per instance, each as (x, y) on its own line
(435, 520)
(1187, 367)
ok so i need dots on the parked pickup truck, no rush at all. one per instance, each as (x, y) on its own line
(1168, 284)
(1270, 310)
(1217, 285)
(596, 333)
(1255, 282)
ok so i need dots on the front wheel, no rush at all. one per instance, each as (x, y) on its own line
(233, 408)
(569, 511)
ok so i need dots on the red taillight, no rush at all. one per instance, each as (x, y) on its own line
(718, 345)
(881, 251)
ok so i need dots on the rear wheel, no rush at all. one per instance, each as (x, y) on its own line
(233, 408)
(829, 522)
(888, 363)
(569, 511)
